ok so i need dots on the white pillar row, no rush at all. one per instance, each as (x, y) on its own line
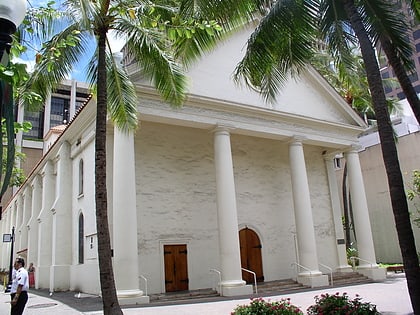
(33, 225)
(45, 226)
(19, 224)
(309, 273)
(5, 246)
(343, 265)
(61, 227)
(365, 247)
(27, 209)
(230, 256)
(125, 238)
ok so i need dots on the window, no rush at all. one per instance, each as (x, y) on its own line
(81, 240)
(59, 111)
(337, 163)
(37, 121)
(81, 177)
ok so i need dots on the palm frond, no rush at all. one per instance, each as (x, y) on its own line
(382, 19)
(337, 35)
(151, 51)
(57, 60)
(281, 46)
(229, 13)
(122, 98)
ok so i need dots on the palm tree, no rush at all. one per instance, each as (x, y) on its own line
(158, 35)
(399, 53)
(283, 44)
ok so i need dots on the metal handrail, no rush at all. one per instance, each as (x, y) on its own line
(220, 279)
(353, 258)
(255, 278)
(303, 267)
(145, 284)
(331, 272)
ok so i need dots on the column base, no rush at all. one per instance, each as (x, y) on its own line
(132, 297)
(59, 278)
(235, 288)
(374, 273)
(313, 281)
(345, 268)
(42, 277)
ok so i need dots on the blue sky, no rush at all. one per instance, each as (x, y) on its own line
(79, 69)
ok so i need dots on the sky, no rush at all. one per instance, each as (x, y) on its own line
(79, 70)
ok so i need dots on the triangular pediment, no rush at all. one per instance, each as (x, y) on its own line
(308, 96)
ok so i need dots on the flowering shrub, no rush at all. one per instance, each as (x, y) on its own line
(341, 305)
(261, 307)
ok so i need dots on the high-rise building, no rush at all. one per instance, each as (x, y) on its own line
(387, 71)
(58, 110)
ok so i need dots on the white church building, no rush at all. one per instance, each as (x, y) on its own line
(197, 193)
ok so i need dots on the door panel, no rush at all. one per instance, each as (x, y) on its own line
(251, 257)
(176, 267)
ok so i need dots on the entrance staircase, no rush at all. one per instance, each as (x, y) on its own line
(268, 288)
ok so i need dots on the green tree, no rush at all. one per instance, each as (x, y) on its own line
(161, 36)
(282, 45)
(413, 194)
(12, 76)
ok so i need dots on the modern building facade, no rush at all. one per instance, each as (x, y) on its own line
(414, 35)
(197, 193)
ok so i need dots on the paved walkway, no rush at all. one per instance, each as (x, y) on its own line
(390, 296)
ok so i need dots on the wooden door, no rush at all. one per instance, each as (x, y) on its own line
(176, 268)
(251, 257)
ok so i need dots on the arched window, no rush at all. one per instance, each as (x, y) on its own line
(81, 239)
(81, 177)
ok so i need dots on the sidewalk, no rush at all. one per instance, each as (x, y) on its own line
(391, 298)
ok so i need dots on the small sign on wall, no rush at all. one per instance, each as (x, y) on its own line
(7, 238)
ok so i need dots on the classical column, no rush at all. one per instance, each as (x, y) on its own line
(337, 214)
(230, 256)
(33, 223)
(61, 229)
(365, 247)
(27, 204)
(308, 257)
(45, 226)
(126, 259)
(19, 223)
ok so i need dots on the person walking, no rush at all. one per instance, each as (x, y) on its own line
(19, 289)
(31, 274)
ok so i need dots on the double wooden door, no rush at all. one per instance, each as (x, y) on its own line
(251, 257)
(176, 267)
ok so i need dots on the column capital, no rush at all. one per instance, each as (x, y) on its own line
(223, 128)
(296, 140)
(354, 148)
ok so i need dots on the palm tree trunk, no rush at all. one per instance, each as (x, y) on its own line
(402, 76)
(390, 157)
(106, 273)
(346, 208)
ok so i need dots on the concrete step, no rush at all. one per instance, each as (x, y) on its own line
(183, 295)
(279, 286)
(348, 278)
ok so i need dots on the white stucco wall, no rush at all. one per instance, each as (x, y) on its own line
(176, 201)
(377, 191)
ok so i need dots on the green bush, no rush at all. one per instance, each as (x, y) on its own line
(341, 305)
(260, 307)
